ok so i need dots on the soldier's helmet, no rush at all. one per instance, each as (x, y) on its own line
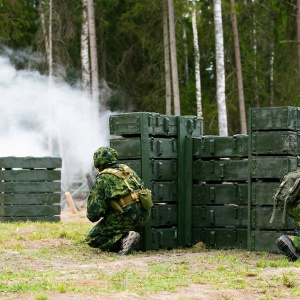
(105, 157)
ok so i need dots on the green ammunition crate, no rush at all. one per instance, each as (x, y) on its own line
(264, 240)
(30, 187)
(145, 123)
(30, 218)
(220, 170)
(226, 238)
(275, 142)
(228, 193)
(29, 199)
(131, 147)
(261, 215)
(142, 123)
(158, 169)
(275, 118)
(30, 162)
(219, 216)
(164, 238)
(274, 167)
(29, 210)
(30, 175)
(164, 191)
(163, 215)
(220, 146)
(190, 126)
(262, 192)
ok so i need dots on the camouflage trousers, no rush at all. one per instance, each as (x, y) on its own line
(108, 232)
(295, 214)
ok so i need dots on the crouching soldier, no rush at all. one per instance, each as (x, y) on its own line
(114, 202)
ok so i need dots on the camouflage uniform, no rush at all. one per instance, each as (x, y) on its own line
(294, 212)
(113, 226)
(289, 244)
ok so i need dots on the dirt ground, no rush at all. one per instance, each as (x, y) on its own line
(195, 291)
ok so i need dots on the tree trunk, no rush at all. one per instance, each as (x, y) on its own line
(220, 70)
(243, 121)
(254, 41)
(271, 102)
(50, 42)
(186, 54)
(102, 53)
(94, 59)
(167, 58)
(174, 59)
(50, 66)
(298, 37)
(197, 60)
(45, 35)
(85, 59)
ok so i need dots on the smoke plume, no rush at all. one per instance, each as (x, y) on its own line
(42, 119)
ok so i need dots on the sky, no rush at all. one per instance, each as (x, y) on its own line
(42, 119)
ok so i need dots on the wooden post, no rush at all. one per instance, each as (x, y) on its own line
(71, 202)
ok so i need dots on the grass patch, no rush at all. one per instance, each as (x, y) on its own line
(43, 258)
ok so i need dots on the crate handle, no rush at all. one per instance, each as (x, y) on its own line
(212, 216)
(234, 139)
(167, 124)
(190, 126)
(212, 237)
(174, 145)
(222, 170)
(212, 193)
(212, 146)
(159, 148)
(159, 169)
(152, 143)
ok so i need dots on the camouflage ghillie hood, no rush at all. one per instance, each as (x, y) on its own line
(105, 157)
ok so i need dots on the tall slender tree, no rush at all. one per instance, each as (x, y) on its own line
(197, 59)
(243, 121)
(174, 67)
(94, 59)
(85, 58)
(167, 58)
(220, 69)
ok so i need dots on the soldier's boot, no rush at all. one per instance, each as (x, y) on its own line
(130, 243)
(285, 244)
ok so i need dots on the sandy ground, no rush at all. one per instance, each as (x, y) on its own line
(195, 291)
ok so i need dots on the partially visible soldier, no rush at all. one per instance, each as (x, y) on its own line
(117, 227)
(290, 245)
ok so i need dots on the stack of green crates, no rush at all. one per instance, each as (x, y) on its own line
(274, 145)
(220, 191)
(30, 189)
(151, 144)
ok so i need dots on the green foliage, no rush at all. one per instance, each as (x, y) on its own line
(134, 51)
(18, 22)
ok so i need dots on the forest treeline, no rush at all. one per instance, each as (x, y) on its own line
(130, 51)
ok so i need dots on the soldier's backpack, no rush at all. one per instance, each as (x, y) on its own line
(287, 193)
(142, 194)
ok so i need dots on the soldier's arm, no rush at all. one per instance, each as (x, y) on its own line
(96, 204)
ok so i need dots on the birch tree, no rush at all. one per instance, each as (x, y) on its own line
(167, 58)
(174, 67)
(85, 59)
(197, 60)
(94, 59)
(243, 122)
(220, 69)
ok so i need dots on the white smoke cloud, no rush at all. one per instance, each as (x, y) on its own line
(38, 121)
